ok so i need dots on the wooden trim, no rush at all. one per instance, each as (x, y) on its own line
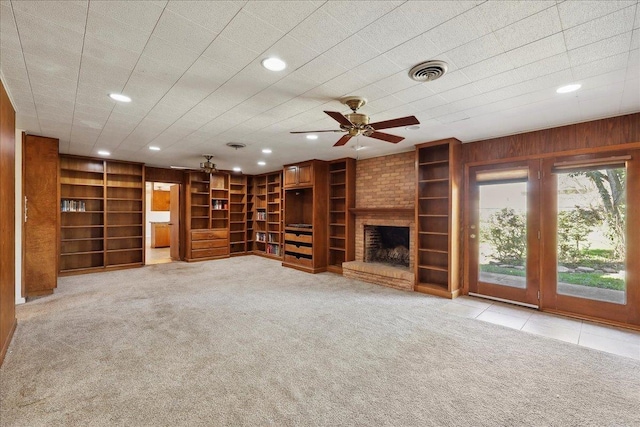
(606, 161)
(382, 211)
(7, 342)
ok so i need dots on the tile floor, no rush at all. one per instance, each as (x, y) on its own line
(622, 342)
(157, 255)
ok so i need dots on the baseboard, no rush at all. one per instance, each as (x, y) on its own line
(5, 345)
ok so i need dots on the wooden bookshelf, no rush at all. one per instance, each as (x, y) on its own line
(250, 213)
(207, 200)
(267, 215)
(102, 214)
(238, 214)
(341, 220)
(437, 218)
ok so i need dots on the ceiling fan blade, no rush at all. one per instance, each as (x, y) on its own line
(395, 123)
(386, 137)
(318, 131)
(342, 141)
(338, 117)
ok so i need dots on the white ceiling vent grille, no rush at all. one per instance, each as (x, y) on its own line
(428, 71)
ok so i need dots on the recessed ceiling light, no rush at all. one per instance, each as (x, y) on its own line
(237, 169)
(274, 64)
(261, 163)
(312, 136)
(569, 88)
(119, 97)
(414, 127)
(153, 148)
(104, 153)
(266, 150)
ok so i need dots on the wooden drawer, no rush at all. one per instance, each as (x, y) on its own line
(299, 261)
(207, 244)
(208, 234)
(206, 253)
(302, 238)
(307, 250)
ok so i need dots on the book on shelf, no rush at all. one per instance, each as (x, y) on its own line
(72, 206)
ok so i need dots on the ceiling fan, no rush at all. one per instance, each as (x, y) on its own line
(358, 124)
(208, 166)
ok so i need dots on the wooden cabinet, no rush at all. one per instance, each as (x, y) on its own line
(102, 204)
(207, 201)
(299, 175)
(342, 188)
(160, 235)
(267, 217)
(40, 156)
(306, 216)
(437, 266)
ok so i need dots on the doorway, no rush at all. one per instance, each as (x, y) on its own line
(503, 232)
(162, 222)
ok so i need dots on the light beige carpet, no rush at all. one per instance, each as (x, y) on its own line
(243, 341)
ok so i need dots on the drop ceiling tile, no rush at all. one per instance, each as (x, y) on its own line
(462, 92)
(376, 69)
(389, 31)
(586, 94)
(17, 85)
(169, 53)
(601, 28)
(549, 82)
(96, 97)
(487, 68)
(542, 24)
(116, 33)
(601, 66)
(295, 84)
(294, 53)
(448, 81)
(159, 71)
(346, 83)
(498, 81)
(414, 51)
(179, 31)
(415, 92)
(26, 122)
(230, 53)
(351, 52)
(168, 113)
(373, 91)
(67, 14)
(635, 40)
(426, 104)
(8, 32)
(631, 96)
(261, 36)
(397, 82)
(537, 50)
(211, 15)
(601, 49)
(382, 104)
(110, 54)
(476, 51)
(36, 34)
(320, 31)
(573, 13)
(44, 78)
(36, 66)
(427, 15)
(499, 14)
(100, 74)
(284, 15)
(459, 30)
(634, 58)
(321, 69)
(142, 15)
(545, 66)
(358, 17)
(608, 105)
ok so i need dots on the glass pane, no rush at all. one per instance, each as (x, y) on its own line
(591, 234)
(503, 234)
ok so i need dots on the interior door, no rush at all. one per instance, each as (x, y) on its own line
(503, 232)
(174, 221)
(590, 251)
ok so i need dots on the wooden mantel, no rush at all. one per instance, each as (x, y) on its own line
(382, 211)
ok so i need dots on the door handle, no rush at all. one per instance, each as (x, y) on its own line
(473, 236)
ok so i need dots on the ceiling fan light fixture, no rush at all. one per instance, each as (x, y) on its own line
(208, 166)
(274, 64)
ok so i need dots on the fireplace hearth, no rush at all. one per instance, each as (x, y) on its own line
(387, 245)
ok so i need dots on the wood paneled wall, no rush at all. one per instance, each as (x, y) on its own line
(7, 219)
(163, 175)
(579, 136)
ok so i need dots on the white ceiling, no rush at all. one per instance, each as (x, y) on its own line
(193, 71)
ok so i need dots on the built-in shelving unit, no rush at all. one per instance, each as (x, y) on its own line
(102, 210)
(437, 218)
(207, 216)
(341, 221)
(238, 215)
(267, 215)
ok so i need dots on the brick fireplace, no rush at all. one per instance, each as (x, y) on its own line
(385, 193)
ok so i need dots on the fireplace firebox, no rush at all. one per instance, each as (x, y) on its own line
(386, 245)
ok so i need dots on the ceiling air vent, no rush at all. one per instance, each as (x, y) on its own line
(236, 145)
(428, 71)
